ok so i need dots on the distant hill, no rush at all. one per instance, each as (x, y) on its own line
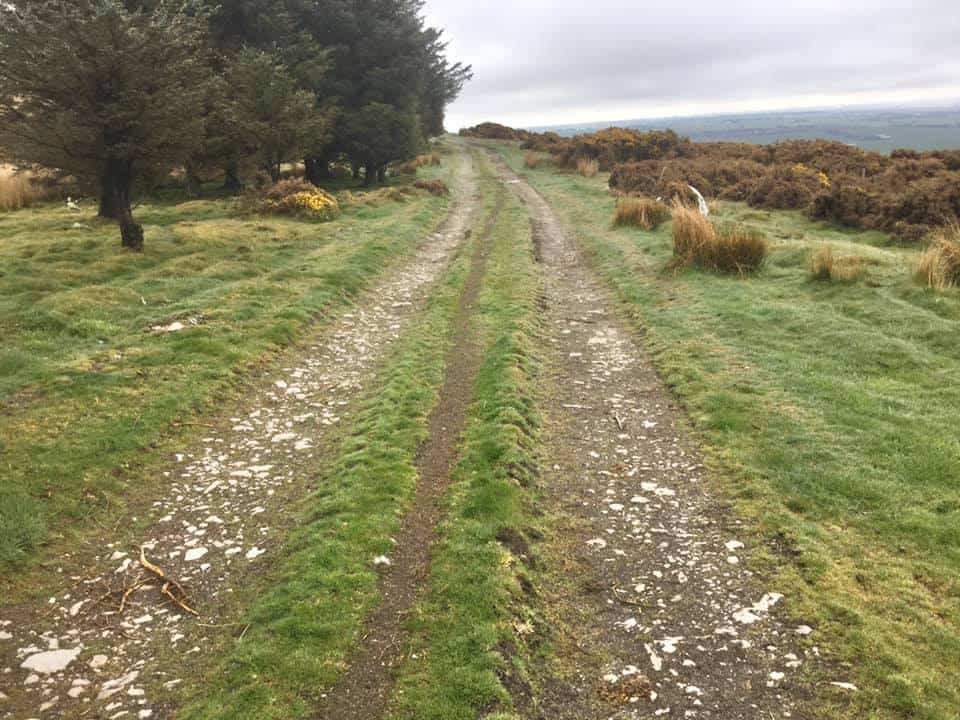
(879, 129)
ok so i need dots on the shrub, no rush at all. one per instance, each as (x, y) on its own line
(532, 160)
(588, 167)
(434, 187)
(728, 248)
(295, 196)
(640, 212)
(939, 266)
(825, 266)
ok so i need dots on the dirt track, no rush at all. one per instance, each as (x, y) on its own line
(220, 513)
(656, 616)
(653, 612)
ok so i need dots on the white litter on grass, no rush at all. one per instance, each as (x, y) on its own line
(845, 686)
(381, 560)
(254, 552)
(733, 545)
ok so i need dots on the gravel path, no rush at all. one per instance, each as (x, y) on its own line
(658, 610)
(220, 512)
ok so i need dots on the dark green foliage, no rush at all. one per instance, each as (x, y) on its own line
(101, 93)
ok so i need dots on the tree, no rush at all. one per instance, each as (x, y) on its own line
(102, 93)
(378, 134)
(271, 113)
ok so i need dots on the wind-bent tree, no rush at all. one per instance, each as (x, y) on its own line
(101, 92)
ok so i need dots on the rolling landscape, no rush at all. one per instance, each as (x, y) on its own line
(340, 380)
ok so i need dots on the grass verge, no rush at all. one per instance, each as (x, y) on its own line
(468, 634)
(830, 411)
(89, 391)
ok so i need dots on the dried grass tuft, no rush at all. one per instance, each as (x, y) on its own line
(640, 212)
(939, 265)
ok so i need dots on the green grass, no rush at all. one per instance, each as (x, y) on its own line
(307, 614)
(831, 411)
(463, 633)
(87, 389)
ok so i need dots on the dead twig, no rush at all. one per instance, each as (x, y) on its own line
(180, 598)
(618, 421)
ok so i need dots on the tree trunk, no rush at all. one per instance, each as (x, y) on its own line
(317, 169)
(117, 186)
(231, 178)
(369, 174)
(382, 174)
(192, 183)
(355, 166)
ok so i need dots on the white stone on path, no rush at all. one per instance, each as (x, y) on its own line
(195, 554)
(98, 661)
(52, 661)
(254, 552)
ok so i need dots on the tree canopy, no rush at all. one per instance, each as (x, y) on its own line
(117, 93)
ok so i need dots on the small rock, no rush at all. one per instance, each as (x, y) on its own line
(52, 661)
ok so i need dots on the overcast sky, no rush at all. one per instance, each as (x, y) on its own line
(540, 62)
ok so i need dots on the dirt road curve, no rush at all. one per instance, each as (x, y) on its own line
(220, 511)
(662, 618)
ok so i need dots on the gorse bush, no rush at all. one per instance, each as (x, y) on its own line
(294, 197)
(826, 266)
(588, 167)
(640, 212)
(726, 247)
(939, 266)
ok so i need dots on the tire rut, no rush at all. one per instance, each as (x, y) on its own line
(655, 612)
(108, 645)
(363, 691)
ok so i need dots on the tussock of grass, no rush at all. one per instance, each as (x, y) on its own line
(20, 190)
(588, 167)
(726, 247)
(640, 212)
(532, 160)
(939, 265)
(826, 266)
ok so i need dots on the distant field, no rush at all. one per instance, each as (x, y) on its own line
(871, 129)
(832, 409)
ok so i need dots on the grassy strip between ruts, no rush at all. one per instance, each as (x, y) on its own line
(88, 392)
(831, 411)
(468, 632)
(312, 607)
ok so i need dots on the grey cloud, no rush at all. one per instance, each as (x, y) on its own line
(548, 61)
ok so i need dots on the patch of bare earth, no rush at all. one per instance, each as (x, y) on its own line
(363, 692)
(655, 611)
(116, 634)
